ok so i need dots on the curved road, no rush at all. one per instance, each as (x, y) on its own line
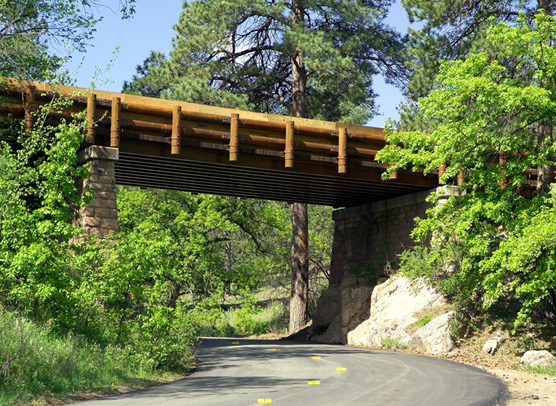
(250, 372)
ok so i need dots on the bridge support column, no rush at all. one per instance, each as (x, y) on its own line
(100, 216)
(367, 240)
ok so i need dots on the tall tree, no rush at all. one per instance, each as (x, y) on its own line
(305, 58)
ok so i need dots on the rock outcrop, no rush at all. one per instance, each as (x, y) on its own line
(341, 309)
(434, 337)
(396, 306)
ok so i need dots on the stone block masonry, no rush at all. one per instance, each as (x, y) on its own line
(368, 238)
(100, 216)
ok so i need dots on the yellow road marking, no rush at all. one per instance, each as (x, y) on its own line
(276, 349)
(235, 342)
(317, 357)
(341, 369)
(314, 382)
(264, 400)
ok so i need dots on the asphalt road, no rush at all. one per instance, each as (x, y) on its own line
(248, 372)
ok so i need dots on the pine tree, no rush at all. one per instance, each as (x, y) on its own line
(304, 58)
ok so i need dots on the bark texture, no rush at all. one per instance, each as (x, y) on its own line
(300, 225)
(300, 267)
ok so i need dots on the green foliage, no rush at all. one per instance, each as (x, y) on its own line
(423, 321)
(488, 243)
(29, 28)
(34, 362)
(36, 191)
(448, 30)
(239, 54)
(248, 319)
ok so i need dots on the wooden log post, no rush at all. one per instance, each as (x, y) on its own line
(29, 99)
(176, 130)
(460, 178)
(441, 172)
(290, 144)
(115, 123)
(393, 175)
(342, 150)
(234, 142)
(91, 107)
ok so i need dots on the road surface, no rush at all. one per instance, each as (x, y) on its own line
(249, 372)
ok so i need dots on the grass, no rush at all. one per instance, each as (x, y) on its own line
(394, 344)
(34, 363)
(244, 321)
(548, 370)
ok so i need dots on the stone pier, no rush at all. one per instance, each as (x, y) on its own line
(100, 216)
(367, 240)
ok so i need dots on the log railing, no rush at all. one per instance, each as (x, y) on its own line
(173, 122)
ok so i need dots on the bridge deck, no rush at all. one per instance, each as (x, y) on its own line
(205, 149)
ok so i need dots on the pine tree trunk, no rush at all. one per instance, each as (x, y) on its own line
(545, 173)
(300, 225)
(300, 268)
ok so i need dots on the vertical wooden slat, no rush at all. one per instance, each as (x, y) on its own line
(290, 143)
(460, 178)
(91, 107)
(342, 150)
(176, 130)
(441, 172)
(28, 106)
(234, 129)
(393, 175)
(115, 123)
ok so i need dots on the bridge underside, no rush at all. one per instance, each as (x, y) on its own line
(204, 149)
(206, 169)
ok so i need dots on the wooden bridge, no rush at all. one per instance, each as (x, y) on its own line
(204, 149)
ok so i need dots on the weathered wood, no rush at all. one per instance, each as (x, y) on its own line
(460, 179)
(234, 143)
(176, 131)
(91, 106)
(115, 123)
(289, 151)
(393, 175)
(342, 151)
(441, 172)
(164, 108)
(29, 99)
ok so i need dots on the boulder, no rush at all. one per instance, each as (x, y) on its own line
(538, 358)
(434, 337)
(491, 346)
(396, 305)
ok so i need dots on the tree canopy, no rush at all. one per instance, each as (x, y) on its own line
(240, 53)
(490, 243)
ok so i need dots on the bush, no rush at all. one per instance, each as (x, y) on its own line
(35, 362)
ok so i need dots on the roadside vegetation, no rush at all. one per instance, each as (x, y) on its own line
(80, 313)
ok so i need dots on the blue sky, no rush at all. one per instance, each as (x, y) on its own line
(151, 30)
